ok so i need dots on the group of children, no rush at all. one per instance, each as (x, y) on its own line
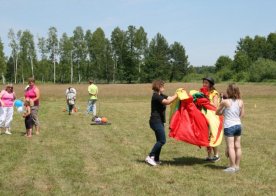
(231, 107)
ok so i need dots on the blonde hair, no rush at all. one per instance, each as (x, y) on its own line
(27, 102)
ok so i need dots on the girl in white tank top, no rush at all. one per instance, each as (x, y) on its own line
(232, 109)
(232, 113)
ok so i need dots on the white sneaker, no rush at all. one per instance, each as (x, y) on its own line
(7, 132)
(150, 160)
(230, 170)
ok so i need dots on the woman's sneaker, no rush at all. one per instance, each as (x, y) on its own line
(230, 170)
(8, 132)
(150, 160)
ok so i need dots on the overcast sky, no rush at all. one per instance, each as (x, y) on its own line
(206, 28)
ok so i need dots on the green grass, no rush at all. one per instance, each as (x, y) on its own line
(72, 157)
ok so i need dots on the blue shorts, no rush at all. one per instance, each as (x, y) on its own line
(233, 131)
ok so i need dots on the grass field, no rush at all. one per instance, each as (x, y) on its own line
(71, 157)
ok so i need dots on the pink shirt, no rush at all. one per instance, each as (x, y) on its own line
(7, 98)
(30, 93)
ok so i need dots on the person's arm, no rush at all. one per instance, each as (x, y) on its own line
(241, 109)
(169, 100)
(221, 107)
(1, 95)
(37, 92)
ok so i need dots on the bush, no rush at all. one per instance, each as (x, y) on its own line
(262, 70)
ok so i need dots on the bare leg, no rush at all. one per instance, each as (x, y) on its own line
(29, 131)
(231, 150)
(209, 152)
(37, 130)
(238, 150)
(215, 149)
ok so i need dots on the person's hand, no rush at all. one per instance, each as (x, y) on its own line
(31, 103)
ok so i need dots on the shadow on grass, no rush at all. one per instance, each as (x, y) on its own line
(181, 161)
(213, 166)
(189, 161)
(184, 161)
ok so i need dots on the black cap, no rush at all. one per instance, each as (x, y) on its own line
(209, 79)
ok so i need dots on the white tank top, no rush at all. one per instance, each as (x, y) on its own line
(232, 114)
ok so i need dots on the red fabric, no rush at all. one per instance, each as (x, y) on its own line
(188, 124)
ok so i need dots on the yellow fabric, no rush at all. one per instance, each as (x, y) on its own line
(214, 123)
(93, 91)
(212, 94)
(181, 95)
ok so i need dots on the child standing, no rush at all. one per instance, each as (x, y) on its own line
(232, 109)
(28, 119)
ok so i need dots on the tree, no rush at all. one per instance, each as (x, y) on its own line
(271, 46)
(141, 44)
(179, 62)
(130, 57)
(241, 62)
(27, 53)
(66, 57)
(14, 44)
(98, 47)
(118, 44)
(223, 62)
(157, 60)
(262, 69)
(52, 46)
(44, 68)
(3, 65)
(79, 50)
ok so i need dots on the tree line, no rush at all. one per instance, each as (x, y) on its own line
(254, 61)
(126, 57)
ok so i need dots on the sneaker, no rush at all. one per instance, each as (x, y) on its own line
(237, 169)
(230, 170)
(150, 160)
(208, 159)
(8, 132)
(215, 158)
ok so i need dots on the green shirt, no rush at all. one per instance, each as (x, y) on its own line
(93, 91)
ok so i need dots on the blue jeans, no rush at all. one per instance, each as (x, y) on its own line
(91, 106)
(159, 130)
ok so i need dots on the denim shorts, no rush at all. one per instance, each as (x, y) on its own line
(233, 131)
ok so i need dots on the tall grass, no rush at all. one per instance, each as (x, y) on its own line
(72, 157)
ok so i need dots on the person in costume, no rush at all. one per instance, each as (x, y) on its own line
(209, 90)
(32, 93)
(232, 109)
(7, 98)
(157, 120)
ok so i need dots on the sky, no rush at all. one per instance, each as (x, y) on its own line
(206, 28)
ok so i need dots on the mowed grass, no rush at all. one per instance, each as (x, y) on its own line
(72, 157)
